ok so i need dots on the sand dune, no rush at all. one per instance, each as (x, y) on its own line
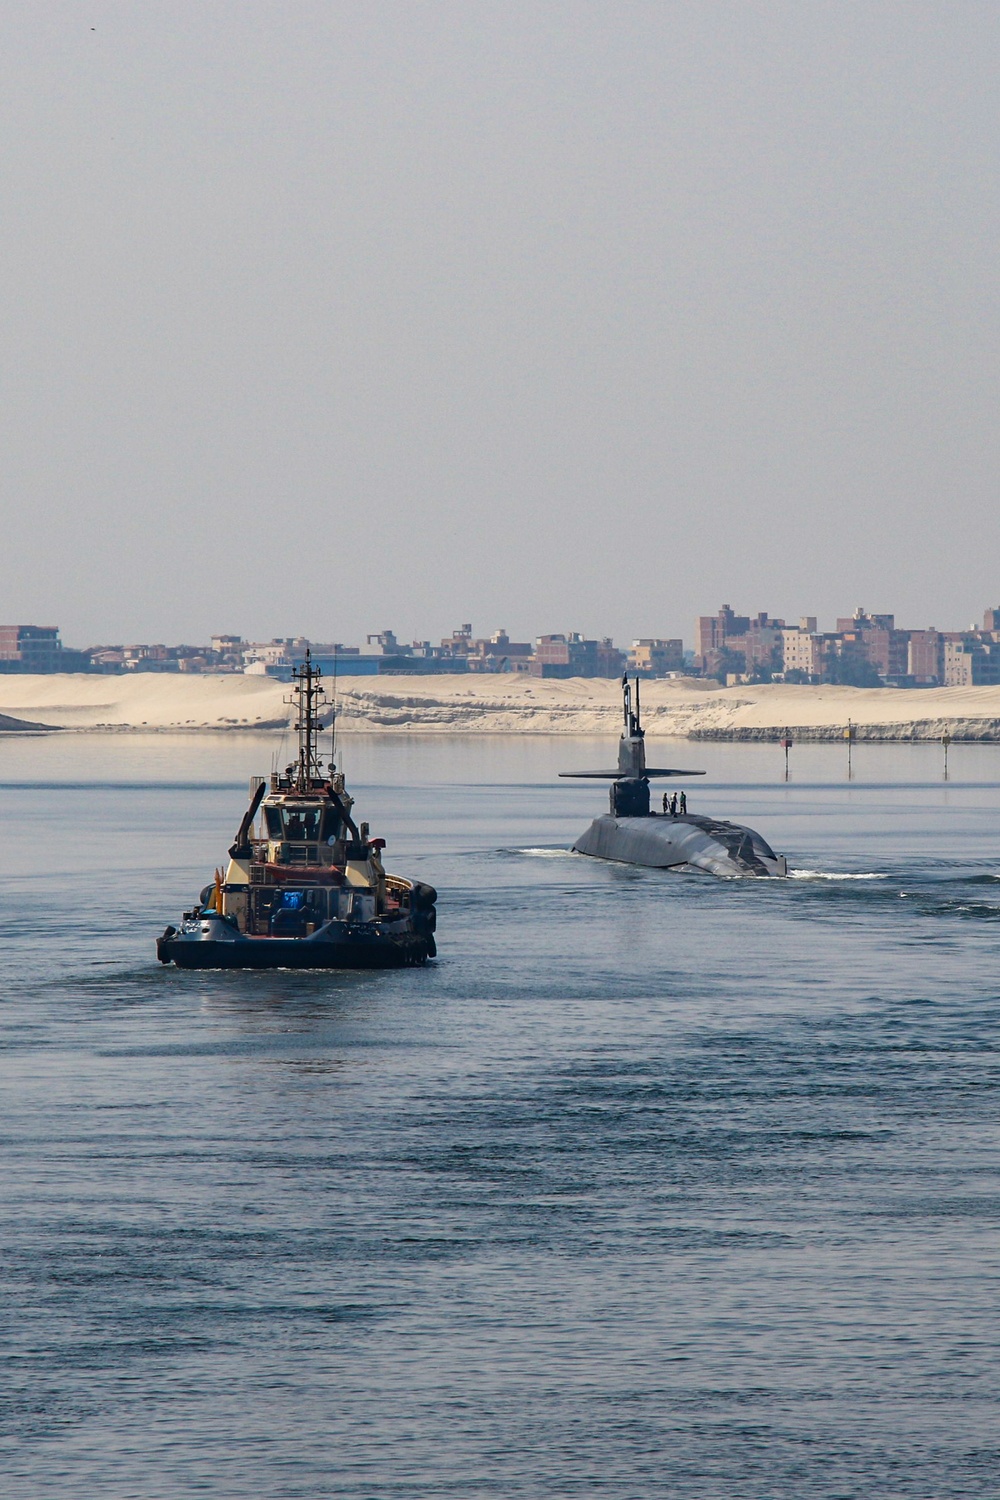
(502, 704)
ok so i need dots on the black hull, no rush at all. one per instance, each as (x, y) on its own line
(294, 953)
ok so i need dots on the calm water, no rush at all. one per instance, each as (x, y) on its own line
(652, 1186)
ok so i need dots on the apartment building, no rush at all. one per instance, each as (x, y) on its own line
(925, 657)
(38, 648)
(30, 648)
(803, 648)
(712, 632)
(971, 661)
(573, 656)
(876, 639)
(655, 658)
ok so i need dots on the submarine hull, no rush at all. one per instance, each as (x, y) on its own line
(685, 842)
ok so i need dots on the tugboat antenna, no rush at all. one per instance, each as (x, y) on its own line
(306, 696)
(333, 714)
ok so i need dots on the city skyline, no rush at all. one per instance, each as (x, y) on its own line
(864, 650)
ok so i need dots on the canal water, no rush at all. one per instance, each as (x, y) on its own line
(651, 1185)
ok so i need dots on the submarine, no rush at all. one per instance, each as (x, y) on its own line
(687, 842)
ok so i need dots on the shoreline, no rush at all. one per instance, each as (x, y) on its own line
(687, 708)
(919, 732)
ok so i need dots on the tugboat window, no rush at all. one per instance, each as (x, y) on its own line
(302, 825)
(273, 816)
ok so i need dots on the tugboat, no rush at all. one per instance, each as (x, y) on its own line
(309, 890)
(633, 835)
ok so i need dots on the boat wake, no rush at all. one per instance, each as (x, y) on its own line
(549, 853)
(833, 875)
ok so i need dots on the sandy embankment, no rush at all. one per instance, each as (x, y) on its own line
(503, 704)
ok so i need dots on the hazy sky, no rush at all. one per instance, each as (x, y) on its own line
(325, 317)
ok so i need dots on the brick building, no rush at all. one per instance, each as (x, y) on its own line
(30, 648)
(925, 657)
(876, 639)
(713, 631)
(728, 642)
(572, 656)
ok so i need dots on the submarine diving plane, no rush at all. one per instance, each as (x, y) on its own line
(633, 835)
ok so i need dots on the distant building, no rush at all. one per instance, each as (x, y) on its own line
(459, 643)
(860, 620)
(712, 632)
(762, 644)
(655, 658)
(277, 652)
(279, 657)
(31, 648)
(879, 642)
(970, 661)
(925, 657)
(420, 657)
(803, 650)
(387, 643)
(499, 653)
(495, 653)
(273, 658)
(153, 659)
(106, 658)
(573, 656)
(731, 644)
(848, 659)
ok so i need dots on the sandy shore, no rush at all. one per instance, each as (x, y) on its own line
(503, 704)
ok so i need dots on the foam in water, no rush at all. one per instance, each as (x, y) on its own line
(543, 853)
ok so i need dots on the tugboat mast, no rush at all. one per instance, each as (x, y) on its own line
(307, 695)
